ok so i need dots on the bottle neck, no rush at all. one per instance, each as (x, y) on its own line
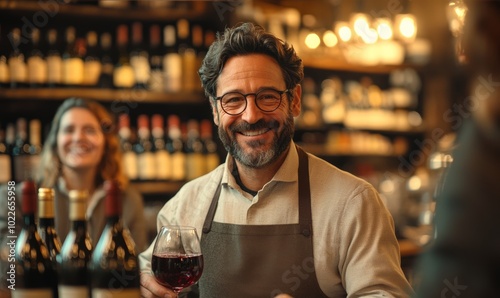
(29, 220)
(46, 222)
(79, 224)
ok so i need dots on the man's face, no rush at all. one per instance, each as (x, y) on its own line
(255, 138)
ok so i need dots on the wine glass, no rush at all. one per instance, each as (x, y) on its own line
(177, 261)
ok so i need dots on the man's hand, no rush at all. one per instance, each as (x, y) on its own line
(150, 288)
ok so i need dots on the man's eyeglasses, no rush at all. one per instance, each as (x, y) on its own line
(267, 100)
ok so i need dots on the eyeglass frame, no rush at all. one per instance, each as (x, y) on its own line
(218, 98)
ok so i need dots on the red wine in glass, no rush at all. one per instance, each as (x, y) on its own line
(177, 271)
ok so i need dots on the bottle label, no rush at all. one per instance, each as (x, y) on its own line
(18, 69)
(146, 164)
(37, 70)
(130, 165)
(73, 71)
(178, 166)
(54, 69)
(195, 165)
(122, 293)
(140, 64)
(5, 166)
(4, 71)
(73, 291)
(212, 161)
(92, 72)
(163, 164)
(172, 66)
(22, 167)
(123, 77)
(156, 81)
(32, 293)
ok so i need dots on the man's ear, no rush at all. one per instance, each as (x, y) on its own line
(296, 100)
(215, 113)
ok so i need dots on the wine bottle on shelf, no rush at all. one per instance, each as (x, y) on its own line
(5, 161)
(188, 55)
(176, 149)
(76, 252)
(35, 134)
(199, 48)
(34, 270)
(195, 161)
(139, 58)
(4, 66)
(172, 61)
(144, 149)
(10, 142)
(130, 163)
(155, 60)
(47, 230)
(54, 60)
(114, 267)
(212, 159)
(17, 64)
(107, 64)
(37, 65)
(21, 152)
(73, 65)
(163, 160)
(92, 62)
(123, 74)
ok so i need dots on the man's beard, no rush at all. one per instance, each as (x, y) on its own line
(258, 158)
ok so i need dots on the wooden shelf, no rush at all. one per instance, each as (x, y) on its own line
(322, 150)
(108, 95)
(157, 187)
(336, 64)
(24, 7)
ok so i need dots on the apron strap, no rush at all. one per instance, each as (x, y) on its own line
(207, 225)
(305, 215)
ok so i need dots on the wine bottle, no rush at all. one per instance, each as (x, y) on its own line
(54, 60)
(76, 253)
(144, 149)
(212, 159)
(114, 267)
(5, 161)
(17, 64)
(47, 230)
(163, 161)
(35, 142)
(172, 61)
(20, 152)
(34, 271)
(92, 63)
(73, 66)
(188, 55)
(10, 142)
(139, 58)
(155, 60)
(4, 66)
(37, 65)
(195, 162)
(106, 78)
(123, 75)
(130, 163)
(176, 149)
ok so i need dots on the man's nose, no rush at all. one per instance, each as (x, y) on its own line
(252, 113)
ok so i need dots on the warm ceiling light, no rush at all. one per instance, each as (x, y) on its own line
(406, 26)
(343, 31)
(384, 28)
(360, 23)
(330, 39)
(312, 40)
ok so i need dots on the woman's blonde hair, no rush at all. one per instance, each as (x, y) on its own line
(110, 166)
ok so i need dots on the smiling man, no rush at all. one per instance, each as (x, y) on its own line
(274, 219)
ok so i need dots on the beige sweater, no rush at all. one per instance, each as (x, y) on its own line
(355, 249)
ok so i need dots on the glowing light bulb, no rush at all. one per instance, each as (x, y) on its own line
(330, 39)
(384, 28)
(312, 40)
(360, 24)
(407, 27)
(343, 31)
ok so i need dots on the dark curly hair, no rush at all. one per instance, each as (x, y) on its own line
(245, 39)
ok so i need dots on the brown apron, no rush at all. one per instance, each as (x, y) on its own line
(261, 260)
